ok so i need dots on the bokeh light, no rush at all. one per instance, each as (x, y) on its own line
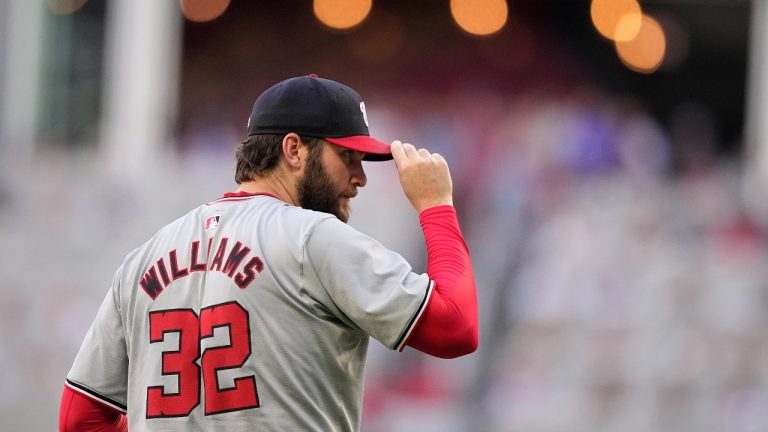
(203, 10)
(342, 14)
(617, 20)
(480, 17)
(646, 51)
(65, 7)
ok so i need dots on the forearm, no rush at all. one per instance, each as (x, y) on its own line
(449, 326)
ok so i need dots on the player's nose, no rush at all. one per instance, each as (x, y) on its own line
(359, 179)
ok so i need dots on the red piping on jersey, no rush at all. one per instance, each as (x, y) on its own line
(241, 196)
(448, 327)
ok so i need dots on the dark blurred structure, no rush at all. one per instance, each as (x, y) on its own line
(416, 47)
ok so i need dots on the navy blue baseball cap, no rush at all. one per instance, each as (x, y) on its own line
(319, 108)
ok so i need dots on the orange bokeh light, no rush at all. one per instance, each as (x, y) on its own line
(645, 52)
(203, 10)
(617, 20)
(480, 17)
(342, 14)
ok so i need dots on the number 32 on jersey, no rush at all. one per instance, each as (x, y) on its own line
(183, 362)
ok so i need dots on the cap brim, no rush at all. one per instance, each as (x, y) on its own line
(374, 149)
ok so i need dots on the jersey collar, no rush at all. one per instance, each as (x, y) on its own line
(242, 194)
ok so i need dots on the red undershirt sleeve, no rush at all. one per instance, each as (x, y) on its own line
(79, 413)
(449, 327)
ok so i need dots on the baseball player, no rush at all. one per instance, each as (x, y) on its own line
(253, 312)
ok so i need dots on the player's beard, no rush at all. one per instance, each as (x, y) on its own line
(316, 190)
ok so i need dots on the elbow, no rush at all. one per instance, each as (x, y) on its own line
(472, 344)
(463, 343)
(446, 335)
(468, 344)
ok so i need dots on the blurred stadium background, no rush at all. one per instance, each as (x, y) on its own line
(610, 176)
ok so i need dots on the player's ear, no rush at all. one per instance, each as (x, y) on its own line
(293, 151)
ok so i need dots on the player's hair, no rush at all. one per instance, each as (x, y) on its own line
(260, 154)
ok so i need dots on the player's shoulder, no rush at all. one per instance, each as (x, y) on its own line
(294, 222)
(309, 217)
(270, 209)
(330, 231)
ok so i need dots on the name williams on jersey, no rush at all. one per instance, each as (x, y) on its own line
(233, 261)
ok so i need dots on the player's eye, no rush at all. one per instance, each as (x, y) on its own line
(351, 156)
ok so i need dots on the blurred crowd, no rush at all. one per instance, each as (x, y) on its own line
(622, 283)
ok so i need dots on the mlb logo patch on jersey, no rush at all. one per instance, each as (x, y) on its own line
(212, 222)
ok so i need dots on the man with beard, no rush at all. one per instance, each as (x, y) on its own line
(254, 311)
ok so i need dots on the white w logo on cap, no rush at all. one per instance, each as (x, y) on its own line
(365, 115)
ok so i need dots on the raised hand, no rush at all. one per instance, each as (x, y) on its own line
(424, 176)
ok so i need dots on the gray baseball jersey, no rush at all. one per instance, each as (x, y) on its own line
(247, 314)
